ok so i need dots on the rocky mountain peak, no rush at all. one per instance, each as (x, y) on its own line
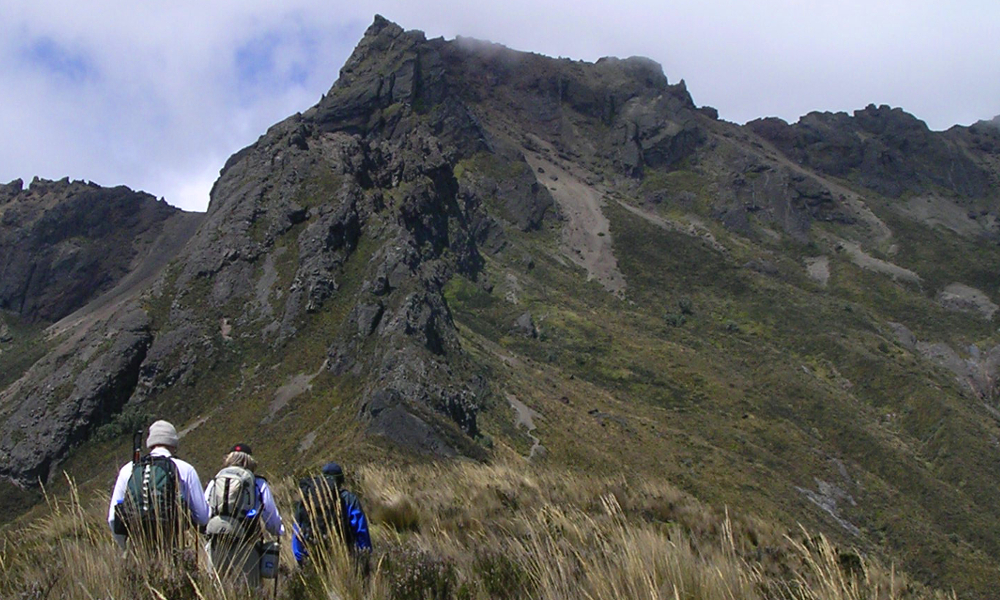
(382, 40)
(9, 191)
(459, 230)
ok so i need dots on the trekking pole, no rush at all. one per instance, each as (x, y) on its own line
(137, 447)
(120, 526)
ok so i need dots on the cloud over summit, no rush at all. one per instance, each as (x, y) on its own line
(157, 95)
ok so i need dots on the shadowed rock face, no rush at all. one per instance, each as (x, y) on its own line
(63, 247)
(62, 243)
(61, 401)
(884, 149)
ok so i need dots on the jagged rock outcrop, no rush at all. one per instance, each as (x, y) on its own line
(884, 149)
(62, 243)
(67, 395)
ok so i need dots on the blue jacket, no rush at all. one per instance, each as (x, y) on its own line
(355, 525)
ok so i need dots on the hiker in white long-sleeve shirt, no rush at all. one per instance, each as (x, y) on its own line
(240, 502)
(154, 494)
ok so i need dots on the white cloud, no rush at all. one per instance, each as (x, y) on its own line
(157, 95)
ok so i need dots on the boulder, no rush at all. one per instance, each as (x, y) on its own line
(525, 325)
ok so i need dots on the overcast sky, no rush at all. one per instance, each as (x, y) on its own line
(157, 95)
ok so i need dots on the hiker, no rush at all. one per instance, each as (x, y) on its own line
(155, 493)
(317, 509)
(239, 503)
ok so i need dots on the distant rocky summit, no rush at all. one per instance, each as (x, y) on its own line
(881, 148)
(62, 243)
(74, 248)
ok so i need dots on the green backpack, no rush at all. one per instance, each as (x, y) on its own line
(152, 504)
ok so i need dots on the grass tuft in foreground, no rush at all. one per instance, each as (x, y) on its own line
(473, 531)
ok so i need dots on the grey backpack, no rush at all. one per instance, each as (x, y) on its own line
(233, 503)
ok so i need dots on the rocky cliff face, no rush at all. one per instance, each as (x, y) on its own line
(62, 243)
(883, 149)
(78, 254)
(457, 228)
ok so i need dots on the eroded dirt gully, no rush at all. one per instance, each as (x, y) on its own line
(586, 236)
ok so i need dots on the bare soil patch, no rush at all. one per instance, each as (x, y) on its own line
(941, 212)
(958, 296)
(818, 269)
(867, 261)
(525, 418)
(586, 237)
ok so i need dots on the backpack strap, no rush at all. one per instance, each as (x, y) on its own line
(225, 499)
(173, 488)
(258, 491)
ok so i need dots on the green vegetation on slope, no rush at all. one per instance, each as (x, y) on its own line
(476, 532)
(28, 343)
(763, 391)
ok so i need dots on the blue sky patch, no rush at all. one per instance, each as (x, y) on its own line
(255, 60)
(277, 59)
(51, 57)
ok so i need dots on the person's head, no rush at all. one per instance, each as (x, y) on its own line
(241, 456)
(332, 469)
(162, 434)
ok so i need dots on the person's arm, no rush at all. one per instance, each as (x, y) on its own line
(359, 523)
(298, 546)
(118, 493)
(195, 496)
(269, 512)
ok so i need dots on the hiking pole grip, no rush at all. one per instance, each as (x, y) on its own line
(136, 446)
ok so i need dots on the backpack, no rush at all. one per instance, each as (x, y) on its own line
(152, 499)
(233, 504)
(320, 505)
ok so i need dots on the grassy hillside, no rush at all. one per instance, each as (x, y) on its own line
(753, 387)
(462, 530)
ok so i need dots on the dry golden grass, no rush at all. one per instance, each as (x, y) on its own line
(473, 531)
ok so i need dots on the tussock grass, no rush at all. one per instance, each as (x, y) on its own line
(473, 531)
